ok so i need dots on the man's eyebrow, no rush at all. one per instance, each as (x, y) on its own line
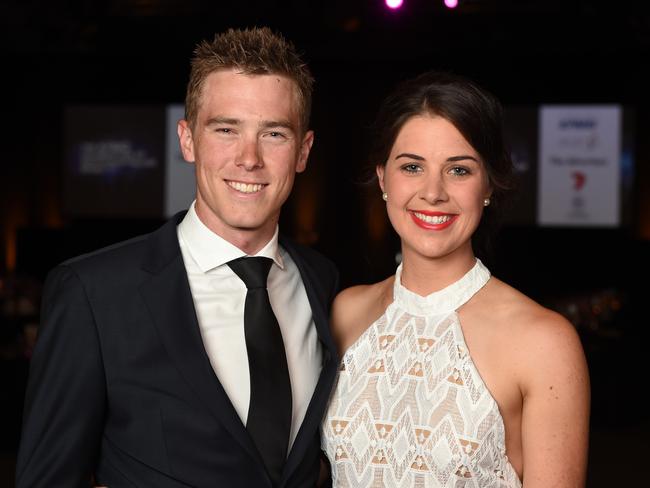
(269, 124)
(222, 120)
(265, 124)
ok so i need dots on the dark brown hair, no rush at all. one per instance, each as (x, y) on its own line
(475, 112)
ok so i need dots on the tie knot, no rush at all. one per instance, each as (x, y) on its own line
(253, 271)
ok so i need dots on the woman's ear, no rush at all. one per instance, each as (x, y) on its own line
(380, 176)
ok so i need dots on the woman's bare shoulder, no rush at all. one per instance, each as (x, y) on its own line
(521, 314)
(355, 308)
(540, 338)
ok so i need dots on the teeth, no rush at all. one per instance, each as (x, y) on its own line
(245, 187)
(432, 219)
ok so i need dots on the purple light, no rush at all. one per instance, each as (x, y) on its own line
(451, 3)
(394, 4)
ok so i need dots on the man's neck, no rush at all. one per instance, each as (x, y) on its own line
(250, 241)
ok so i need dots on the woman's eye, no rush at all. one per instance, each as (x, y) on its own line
(459, 171)
(411, 168)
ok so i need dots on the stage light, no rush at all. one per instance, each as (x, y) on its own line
(451, 3)
(394, 4)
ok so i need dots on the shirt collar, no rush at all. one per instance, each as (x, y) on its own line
(210, 250)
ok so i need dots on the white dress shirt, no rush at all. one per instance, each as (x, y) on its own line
(219, 297)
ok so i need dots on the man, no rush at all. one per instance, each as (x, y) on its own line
(143, 374)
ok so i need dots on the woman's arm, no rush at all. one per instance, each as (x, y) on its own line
(556, 397)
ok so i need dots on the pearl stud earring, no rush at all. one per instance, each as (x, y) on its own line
(486, 202)
(384, 196)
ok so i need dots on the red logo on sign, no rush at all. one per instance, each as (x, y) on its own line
(579, 179)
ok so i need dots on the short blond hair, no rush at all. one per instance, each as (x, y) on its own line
(254, 51)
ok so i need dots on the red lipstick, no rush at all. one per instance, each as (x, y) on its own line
(429, 225)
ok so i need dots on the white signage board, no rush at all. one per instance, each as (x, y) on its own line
(579, 166)
(180, 185)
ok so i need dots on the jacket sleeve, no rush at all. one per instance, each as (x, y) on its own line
(66, 392)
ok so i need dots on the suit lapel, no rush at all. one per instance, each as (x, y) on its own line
(169, 300)
(321, 393)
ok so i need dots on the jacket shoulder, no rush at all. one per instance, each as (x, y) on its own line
(149, 252)
(109, 259)
(309, 256)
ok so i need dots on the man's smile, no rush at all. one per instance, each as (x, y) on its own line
(244, 187)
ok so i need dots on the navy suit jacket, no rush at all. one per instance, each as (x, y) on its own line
(121, 387)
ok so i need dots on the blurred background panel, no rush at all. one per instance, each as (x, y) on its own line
(114, 161)
(92, 90)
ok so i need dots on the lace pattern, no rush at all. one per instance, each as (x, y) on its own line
(410, 408)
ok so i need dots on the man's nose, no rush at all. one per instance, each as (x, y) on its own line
(249, 154)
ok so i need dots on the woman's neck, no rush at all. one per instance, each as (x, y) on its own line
(424, 275)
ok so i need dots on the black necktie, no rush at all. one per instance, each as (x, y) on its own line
(269, 411)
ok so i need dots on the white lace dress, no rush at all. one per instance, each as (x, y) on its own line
(410, 408)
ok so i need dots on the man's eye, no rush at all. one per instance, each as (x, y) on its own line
(224, 130)
(276, 134)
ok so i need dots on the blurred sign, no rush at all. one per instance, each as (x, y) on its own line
(114, 161)
(579, 165)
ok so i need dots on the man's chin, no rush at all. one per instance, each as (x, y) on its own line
(254, 226)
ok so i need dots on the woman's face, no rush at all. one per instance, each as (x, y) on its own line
(436, 185)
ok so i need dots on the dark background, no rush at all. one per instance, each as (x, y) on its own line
(59, 54)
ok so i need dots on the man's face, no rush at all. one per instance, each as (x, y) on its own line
(247, 146)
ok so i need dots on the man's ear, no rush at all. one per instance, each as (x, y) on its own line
(305, 148)
(185, 140)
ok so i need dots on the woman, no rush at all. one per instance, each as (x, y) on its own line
(450, 377)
